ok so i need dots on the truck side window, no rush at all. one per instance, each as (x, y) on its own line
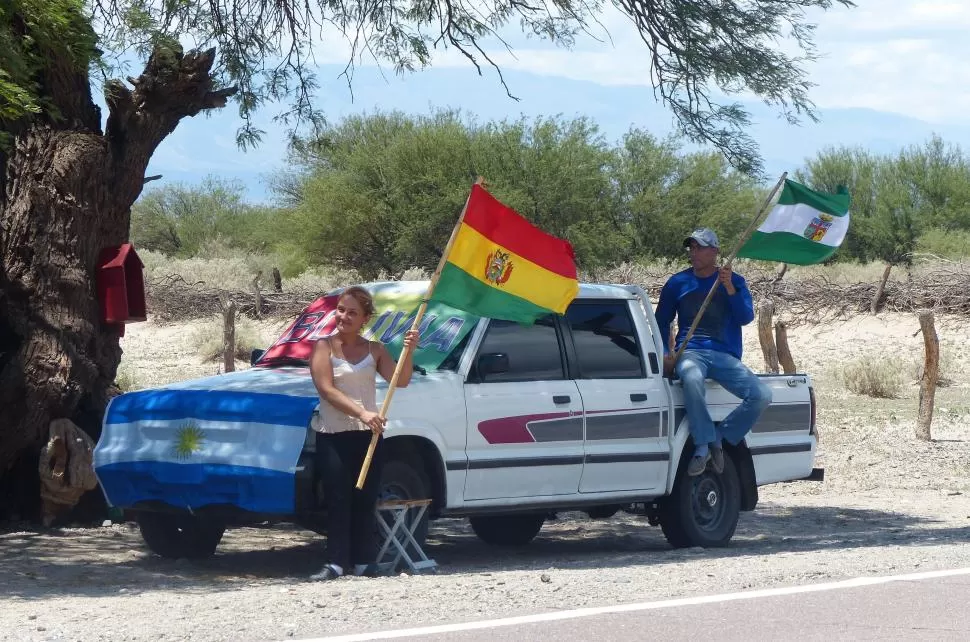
(532, 351)
(605, 339)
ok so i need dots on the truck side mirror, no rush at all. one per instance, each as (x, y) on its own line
(255, 356)
(492, 363)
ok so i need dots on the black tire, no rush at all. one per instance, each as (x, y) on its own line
(405, 479)
(703, 510)
(173, 535)
(507, 530)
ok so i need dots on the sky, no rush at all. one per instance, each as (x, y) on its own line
(891, 73)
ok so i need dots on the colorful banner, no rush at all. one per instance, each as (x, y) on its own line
(396, 305)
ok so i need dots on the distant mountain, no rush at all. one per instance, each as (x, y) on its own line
(205, 145)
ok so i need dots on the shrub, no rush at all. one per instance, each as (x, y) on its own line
(126, 380)
(874, 376)
(207, 339)
(949, 244)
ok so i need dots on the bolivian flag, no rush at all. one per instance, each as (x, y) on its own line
(502, 266)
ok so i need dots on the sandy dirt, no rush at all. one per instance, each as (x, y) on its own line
(889, 504)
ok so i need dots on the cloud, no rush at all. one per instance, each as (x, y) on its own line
(900, 56)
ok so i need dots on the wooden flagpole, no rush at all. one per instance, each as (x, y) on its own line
(392, 385)
(752, 226)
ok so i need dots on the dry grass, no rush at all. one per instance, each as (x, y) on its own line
(207, 339)
(126, 380)
(873, 375)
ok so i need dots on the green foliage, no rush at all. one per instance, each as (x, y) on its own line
(943, 243)
(896, 199)
(699, 49)
(382, 193)
(32, 32)
(666, 194)
(180, 220)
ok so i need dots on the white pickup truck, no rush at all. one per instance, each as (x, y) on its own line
(511, 423)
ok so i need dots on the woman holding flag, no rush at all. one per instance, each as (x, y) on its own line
(344, 368)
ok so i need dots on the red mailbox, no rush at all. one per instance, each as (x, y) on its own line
(121, 285)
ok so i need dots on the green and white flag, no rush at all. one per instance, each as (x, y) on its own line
(805, 227)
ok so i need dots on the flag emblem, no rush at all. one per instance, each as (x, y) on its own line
(818, 227)
(498, 267)
(805, 227)
(188, 440)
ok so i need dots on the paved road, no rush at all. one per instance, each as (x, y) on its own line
(930, 606)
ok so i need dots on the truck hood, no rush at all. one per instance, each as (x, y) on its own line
(232, 439)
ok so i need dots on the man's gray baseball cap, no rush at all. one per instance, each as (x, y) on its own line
(704, 236)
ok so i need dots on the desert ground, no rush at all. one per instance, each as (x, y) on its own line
(889, 504)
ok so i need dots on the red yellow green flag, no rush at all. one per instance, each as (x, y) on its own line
(502, 266)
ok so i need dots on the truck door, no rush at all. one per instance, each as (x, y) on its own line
(626, 445)
(525, 417)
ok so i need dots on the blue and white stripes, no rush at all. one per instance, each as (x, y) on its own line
(231, 439)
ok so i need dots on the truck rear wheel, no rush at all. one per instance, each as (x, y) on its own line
(702, 510)
(507, 530)
(174, 535)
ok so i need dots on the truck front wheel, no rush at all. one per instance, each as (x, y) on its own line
(702, 510)
(405, 479)
(174, 535)
(507, 530)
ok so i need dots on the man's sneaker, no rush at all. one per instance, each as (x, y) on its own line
(697, 464)
(717, 460)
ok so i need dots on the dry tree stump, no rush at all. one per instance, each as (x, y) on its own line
(880, 295)
(784, 352)
(931, 372)
(780, 273)
(277, 280)
(257, 297)
(228, 333)
(66, 468)
(766, 310)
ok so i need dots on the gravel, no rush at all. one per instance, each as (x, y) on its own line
(890, 504)
(101, 584)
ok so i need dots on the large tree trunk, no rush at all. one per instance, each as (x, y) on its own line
(67, 191)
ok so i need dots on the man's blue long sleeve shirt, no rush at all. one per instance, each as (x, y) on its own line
(720, 327)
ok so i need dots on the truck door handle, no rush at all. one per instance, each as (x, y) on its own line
(561, 399)
(638, 396)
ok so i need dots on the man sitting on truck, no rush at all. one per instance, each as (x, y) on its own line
(714, 350)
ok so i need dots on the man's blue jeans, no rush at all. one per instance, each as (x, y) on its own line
(693, 367)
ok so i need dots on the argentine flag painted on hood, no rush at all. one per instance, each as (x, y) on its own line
(803, 228)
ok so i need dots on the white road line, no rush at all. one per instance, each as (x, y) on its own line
(642, 606)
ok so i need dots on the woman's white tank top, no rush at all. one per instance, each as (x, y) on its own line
(357, 381)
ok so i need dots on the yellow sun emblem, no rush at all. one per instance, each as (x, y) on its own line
(188, 440)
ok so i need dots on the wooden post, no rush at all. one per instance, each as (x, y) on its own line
(752, 226)
(931, 372)
(780, 272)
(277, 280)
(228, 333)
(392, 385)
(784, 353)
(766, 310)
(258, 296)
(880, 290)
